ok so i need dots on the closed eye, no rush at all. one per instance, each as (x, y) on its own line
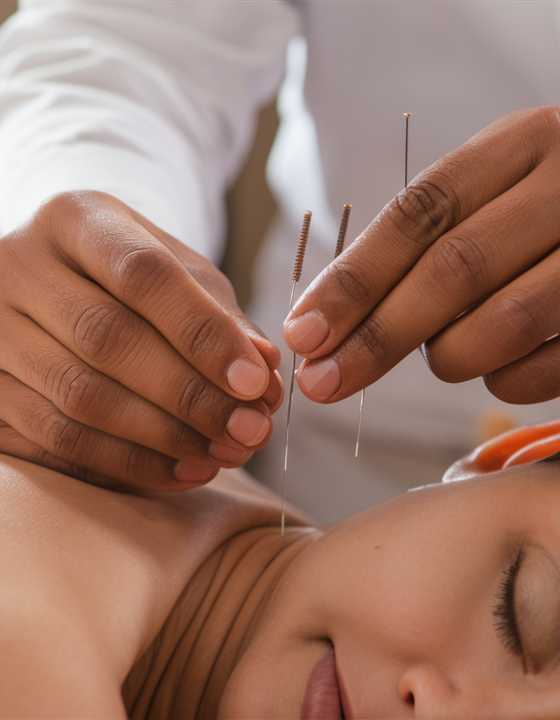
(504, 611)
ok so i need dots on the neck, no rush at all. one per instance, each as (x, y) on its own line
(185, 670)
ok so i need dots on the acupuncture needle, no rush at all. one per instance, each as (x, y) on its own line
(343, 229)
(407, 116)
(296, 275)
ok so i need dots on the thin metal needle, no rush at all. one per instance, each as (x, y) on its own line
(407, 118)
(298, 265)
(363, 397)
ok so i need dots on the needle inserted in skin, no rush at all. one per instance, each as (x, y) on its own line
(407, 118)
(298, 265)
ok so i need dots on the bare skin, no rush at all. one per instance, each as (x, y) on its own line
(464, 262)
(197, 604)
(125, 357)
(71, 549)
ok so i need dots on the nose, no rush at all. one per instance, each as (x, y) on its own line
(428, 693)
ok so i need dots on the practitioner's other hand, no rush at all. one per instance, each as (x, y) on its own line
(124, 352)
(465, 260)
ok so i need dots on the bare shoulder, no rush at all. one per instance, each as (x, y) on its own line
(36, 501)
(82, 566)
(57, 527)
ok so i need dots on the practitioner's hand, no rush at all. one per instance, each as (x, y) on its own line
(465, 260)
(122, 352)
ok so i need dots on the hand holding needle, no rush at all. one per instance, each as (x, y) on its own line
(298, 264)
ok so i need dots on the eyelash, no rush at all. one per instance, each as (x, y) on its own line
(504, 612)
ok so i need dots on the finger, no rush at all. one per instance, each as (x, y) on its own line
(207, 275)
(267, 349)
(14, 444)
(507, 327)
(436, 201)
(534, 378)
(274, 394)
(130, 264)
(86, 453)
(113, 340)
(93, 399)
(486, 251)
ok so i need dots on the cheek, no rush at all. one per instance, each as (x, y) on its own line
(404, 596)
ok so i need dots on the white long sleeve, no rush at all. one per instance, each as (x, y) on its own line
(153, 102)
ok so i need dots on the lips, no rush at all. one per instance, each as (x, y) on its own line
(322, 695)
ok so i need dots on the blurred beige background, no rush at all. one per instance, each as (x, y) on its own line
(250, 204)
(250, 209)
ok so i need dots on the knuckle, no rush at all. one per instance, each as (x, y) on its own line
(547, 117)
(353, 281)
(62, 210)
(181, 440)
(135, 462)
(375, 338)
(194, 398)
(525, 319)
(427, 208)
(144, 269)
(202, 337)
(59, 205)
(458, 261)
(103, 333)
(75, 389)
(61, 435)
(72, 203)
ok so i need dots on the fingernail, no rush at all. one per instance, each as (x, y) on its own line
(225, 453)
(308, 331)
(246, 377)
(186, 472)
(321, 378)
(248, 426)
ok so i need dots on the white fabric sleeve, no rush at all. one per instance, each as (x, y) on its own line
(152, 102)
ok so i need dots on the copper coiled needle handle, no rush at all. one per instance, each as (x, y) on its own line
(343, 230)
(296, 275)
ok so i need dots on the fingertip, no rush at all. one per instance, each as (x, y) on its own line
(319, 379)
(249, 426)
(306, 333)
(194, 475)
(274, 394)
(269, 351)
(229, 455)
(247, 379)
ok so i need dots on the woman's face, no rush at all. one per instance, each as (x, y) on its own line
(444, 602)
